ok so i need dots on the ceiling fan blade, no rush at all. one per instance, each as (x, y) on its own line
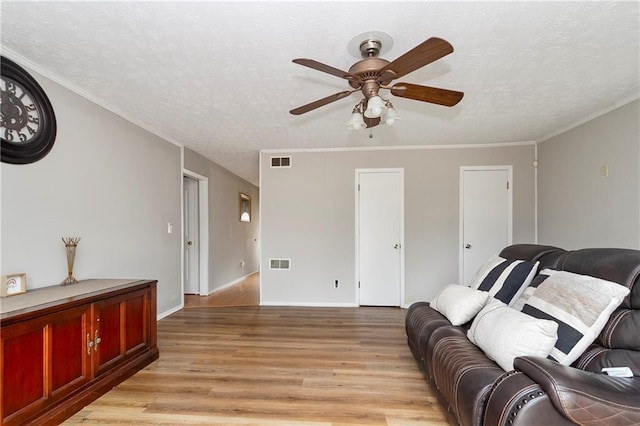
(433, 95)
(324, 68)
(421, 55)
(321, 102)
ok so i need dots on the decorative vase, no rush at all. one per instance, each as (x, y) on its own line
(70, 243)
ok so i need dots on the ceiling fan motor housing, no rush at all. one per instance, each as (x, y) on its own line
(367, 69)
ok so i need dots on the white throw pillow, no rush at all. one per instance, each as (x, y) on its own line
(504, 279)
(504, 334)
(459, 303)
(580, 304)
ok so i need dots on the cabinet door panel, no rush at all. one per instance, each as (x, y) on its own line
(108, 323)
(135, 328)
(123, 325)
(69, 364)
(22, 368)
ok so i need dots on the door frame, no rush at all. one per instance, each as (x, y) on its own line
(203, 234)
(358, 172)
(509, 170)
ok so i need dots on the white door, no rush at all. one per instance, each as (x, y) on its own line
(379, 227)
(485, 214)
(191, 236)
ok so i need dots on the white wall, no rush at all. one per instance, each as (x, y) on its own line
(107, 181)
(308, 215)
(577, 206)
(230, 241)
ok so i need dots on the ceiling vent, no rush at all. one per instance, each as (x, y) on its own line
(280, 162)
(279, 263)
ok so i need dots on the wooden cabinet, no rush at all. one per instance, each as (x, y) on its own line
(57, 357)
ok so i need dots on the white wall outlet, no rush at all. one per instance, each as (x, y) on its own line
(242, 264)
(169, 228)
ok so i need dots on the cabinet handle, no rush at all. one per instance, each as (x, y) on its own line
(97, 341)
(89, 344)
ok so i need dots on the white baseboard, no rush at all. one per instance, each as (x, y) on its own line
(310, 304)
(170, 311)
(232, 283)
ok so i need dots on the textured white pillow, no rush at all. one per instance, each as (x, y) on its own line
(526, 294)
(459, 303)
(580, 304)
(504, 334)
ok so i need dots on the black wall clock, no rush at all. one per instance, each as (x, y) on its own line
(28, 124)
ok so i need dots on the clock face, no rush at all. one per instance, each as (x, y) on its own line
(27, 121)
(19, 117)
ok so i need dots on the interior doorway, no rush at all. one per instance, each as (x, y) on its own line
(195, 234)
(191, 239)
(380, 237)
(486, 210)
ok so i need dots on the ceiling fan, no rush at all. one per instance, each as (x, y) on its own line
(373, 73)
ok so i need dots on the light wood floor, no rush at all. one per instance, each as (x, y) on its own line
(245, 293)
(275, 366)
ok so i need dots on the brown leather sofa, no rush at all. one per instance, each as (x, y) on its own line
(476, 391)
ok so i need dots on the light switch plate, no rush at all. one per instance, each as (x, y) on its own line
(604, 170)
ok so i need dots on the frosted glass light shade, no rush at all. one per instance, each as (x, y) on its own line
(391, 116)
(356, 122)
(375, 107)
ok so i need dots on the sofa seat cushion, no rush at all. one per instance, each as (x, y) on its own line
(461, 372)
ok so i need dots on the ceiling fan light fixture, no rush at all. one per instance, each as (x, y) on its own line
(375, 107)
(391, 115)
(356, 122)
(372, 73)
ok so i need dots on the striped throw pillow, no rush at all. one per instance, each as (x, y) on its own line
(580, 304)
(504, 279)
(526, 294)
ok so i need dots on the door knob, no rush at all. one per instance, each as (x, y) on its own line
(189, 243)
(396, 246)
(467, 246)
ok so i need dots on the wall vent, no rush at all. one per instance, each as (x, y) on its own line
(279, 263)
(280, 162)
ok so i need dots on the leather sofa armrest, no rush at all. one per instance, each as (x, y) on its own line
(583, 396)
(516, 400)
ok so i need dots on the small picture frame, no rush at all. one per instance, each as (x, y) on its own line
(13, 284)
(245, 208)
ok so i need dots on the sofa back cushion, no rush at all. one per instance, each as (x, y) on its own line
(548, 256)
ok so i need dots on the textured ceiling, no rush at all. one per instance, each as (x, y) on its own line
(217, 77)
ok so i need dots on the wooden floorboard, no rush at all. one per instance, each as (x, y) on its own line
(244, 293)
(275, 366)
